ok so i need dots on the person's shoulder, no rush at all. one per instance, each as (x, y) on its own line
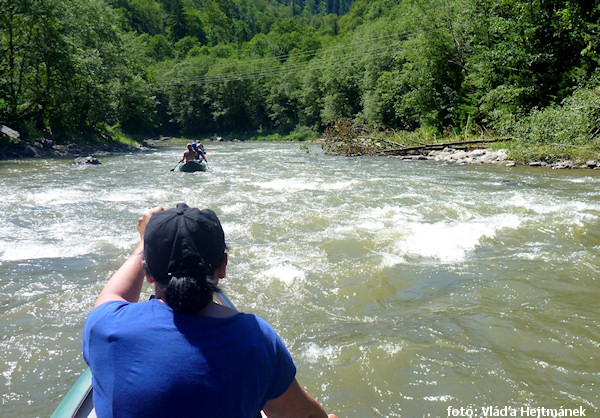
(102, 313)
(259, 324)
(111, 305)
(117, 308)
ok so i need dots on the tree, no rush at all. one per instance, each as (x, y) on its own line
(61, 66)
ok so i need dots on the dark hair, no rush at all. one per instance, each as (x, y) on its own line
(189, 294)
(190, 289)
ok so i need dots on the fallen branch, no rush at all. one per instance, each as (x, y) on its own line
(442, 145)
(346, 138)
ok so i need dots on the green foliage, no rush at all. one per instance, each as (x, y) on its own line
(65, 66)
(145, 16)
(515, 67)
(554, 131)
(185, 45)
(299, 134)
(282, 103)
(160, 48)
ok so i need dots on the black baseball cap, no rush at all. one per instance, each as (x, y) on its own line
(183, 241)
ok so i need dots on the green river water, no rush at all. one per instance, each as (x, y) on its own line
(401, 288)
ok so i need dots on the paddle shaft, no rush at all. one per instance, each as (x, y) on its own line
(173, 169)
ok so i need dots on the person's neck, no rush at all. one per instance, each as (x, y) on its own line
(213, 309)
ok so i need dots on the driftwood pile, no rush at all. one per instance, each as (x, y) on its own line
(352, 139)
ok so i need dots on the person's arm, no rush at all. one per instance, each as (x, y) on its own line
(295, 403)
(183, 158)
(126, 283)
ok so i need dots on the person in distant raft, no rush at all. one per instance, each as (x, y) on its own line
(189, 154)
(200, 151)
(181, 354)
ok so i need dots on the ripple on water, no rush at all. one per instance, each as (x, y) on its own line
(400, 288)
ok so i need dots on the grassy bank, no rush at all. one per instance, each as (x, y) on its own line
(524, 151)
(352, 138)
(569, 131)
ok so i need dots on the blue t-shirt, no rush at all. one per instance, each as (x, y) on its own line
(148, 361)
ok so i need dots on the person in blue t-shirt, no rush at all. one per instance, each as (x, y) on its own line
(200, 151)
(181, 354)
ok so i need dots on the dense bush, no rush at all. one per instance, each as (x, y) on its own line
(516, 67)
(569, 130)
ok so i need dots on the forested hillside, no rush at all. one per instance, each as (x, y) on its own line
(197, 67)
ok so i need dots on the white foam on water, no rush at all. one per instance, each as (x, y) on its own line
(235, 230)
(59, 196)
(393, 215)
(237, 207)
(441, 398)
(313, 353)
(338, 185)
(125, 195)
(390, 260)
(285, 273)
(32, 251)
(547, 205)
(349, 230)
(375, 220)
(69, 246)
(370, 225)
(578, 179)
(391, 348)
(532, 251)
(61, 240)
(296, 185)
(288, 185)
(451, 241)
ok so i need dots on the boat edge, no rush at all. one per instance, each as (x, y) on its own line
(71, 404)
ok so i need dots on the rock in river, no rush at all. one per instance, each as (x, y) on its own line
(89, 160)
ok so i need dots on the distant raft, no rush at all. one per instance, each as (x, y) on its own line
(192, 166)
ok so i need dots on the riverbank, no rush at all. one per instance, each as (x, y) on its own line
(42, 147)
(498, 157)
(349, 138)
(13, 146)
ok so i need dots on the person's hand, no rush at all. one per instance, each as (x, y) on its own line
(143, 221)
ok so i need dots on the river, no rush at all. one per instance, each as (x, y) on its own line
(401, 288)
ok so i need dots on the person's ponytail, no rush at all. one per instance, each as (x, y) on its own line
(189, 292)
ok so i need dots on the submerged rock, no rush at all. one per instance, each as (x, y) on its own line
(414, 157)
(537, 164)
(89, 160)
(566, 164)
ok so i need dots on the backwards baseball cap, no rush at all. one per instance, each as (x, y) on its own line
(183, 241)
